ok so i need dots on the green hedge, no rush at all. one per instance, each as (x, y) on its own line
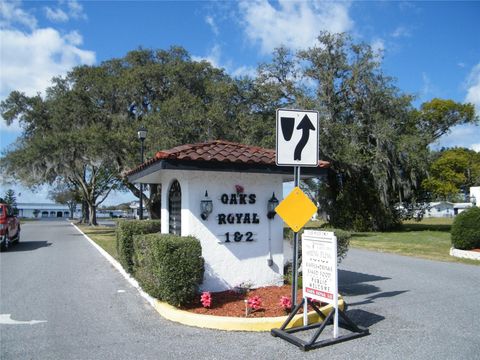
(343, 238)
(126, 230)
(169, 267)
(465, 233)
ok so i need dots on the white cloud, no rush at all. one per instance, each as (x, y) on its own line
(30, 60)
(426, 85)
(473, 88)
(211, 22)
(401, 31)
(213, 57)
(378, 47)
(74, 38)
(460, 136)
(475, 147)
(11, 13)
(75, 10)
(294, 24)
(429, 88)
(23, 194)
(57, 15)
(244, 71)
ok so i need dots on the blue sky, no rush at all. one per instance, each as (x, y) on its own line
(431, 48)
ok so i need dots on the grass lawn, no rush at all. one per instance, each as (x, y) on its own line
(428, 239)
(27, 220)
(103, 236)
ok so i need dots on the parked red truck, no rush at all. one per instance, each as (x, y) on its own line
(9, 226)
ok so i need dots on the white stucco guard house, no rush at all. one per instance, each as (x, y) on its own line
(240, 242)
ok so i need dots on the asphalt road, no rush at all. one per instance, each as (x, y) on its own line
(67, 302)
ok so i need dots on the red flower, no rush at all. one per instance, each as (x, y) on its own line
(286, 303)
(254, 302)
(206, 299)
(239, 189)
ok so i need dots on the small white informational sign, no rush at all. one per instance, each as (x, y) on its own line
(297, 138)
(319, 265)
(319, 269)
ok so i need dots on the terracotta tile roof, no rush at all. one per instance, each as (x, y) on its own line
(217, 151)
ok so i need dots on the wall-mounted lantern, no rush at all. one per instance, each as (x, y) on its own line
(206, 206)
(272, 204)
(473, 200)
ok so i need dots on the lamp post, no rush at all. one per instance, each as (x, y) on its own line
(142, 134)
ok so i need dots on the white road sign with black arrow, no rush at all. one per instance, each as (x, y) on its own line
(297, 138)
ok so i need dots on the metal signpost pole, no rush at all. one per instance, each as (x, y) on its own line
(141, 184)
(335, 287)
(142, 135)
(296, 181)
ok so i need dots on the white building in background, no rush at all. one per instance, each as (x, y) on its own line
(449, 209)
(45, 210)
(461, 207)
(473, 198)
(134, 211)
(440, 209)
(475, 195)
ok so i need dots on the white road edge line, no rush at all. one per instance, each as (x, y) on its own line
(119, 268)
(6, 319)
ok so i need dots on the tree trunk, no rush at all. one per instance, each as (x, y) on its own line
(92, 210)
(155, 205)
(85, 214)
(72, 206)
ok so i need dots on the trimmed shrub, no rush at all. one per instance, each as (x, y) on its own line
(343, 241)
(169, 267)
(126, 230)
(465, 233)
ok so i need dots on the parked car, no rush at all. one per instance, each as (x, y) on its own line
(9, 226)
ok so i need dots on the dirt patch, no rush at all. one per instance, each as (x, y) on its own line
(232, 303)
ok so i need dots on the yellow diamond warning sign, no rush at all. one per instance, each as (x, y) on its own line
(296, 209)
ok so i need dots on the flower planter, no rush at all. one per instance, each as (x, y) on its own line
(236, 323)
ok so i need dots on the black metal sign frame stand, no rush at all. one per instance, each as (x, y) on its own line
(346, 323)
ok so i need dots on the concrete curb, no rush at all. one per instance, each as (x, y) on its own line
(465, 254)
(209, 321)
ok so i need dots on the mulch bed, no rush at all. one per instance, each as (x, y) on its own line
(232, 303)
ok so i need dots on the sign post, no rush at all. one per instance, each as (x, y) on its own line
(297, 145)
(296, 183)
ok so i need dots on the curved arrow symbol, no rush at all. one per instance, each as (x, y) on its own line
(305, 125)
